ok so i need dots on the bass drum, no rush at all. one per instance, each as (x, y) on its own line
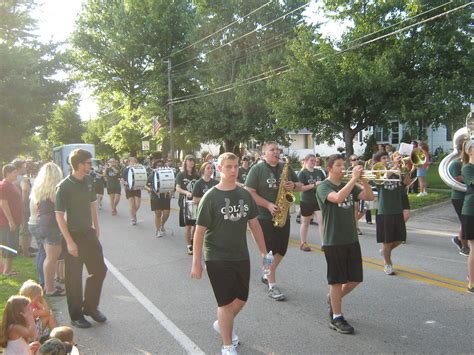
(190, 211)
(137, 177)
(163, 180)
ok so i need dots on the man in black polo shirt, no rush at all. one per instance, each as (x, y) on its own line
(75, 196)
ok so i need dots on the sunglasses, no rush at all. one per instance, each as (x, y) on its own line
(354, 159)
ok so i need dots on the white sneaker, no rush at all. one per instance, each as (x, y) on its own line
(163, 231)
(159, 234)
(228, 350)
(235, 338)
(388, 269)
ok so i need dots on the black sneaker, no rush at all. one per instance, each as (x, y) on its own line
(456, 242)
(465, 251)
(470, 289)
(341, 326)
(298, 218)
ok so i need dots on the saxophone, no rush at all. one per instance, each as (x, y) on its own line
(284, 199)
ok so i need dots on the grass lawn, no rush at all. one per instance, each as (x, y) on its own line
(432, 198)
(10, 286)
(433, 179)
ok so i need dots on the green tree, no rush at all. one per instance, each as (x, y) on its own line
(28, 92)
(65, 125)
(239, 114)
(118, 51)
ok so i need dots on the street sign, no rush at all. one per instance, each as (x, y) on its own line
(145, 145)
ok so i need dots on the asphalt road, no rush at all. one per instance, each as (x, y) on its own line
(153, 306)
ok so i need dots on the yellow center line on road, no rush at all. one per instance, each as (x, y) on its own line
(432, 279)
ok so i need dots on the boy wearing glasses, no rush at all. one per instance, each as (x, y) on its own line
(75, 196)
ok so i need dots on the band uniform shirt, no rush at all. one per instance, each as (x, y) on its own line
(202, 186)
(10, 193)
(186, 182)
(307, 177)
(266, 180)
(468, 176)
(390, 197)
(113, 178)
(225, 215)
(455, 170)
(243, 173)
(74, 197)
(97, 178)
(339, 220)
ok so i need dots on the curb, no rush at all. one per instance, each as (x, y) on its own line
(422, 209)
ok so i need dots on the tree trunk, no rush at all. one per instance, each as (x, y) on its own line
(348, 135)
(229, 145)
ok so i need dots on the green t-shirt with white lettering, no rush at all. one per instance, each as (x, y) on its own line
(390, 197)
(243, 175)
(225, 215)
(113, 178)
(266, 180)
(186, 182)
(468, 176)
(339, 219)
(202, 186)
(307, 177)
(74, 197)
(455, 170)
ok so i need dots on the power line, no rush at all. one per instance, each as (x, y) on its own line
(248, 81)
(222, 29)
(244, 35)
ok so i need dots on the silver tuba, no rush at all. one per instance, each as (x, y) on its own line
(460, 136)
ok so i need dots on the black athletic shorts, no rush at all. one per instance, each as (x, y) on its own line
(344, 263)
(391, 228)
(132, 193)
(112, 191)
(457, 203)
(99, 188)
(276, 239)
(308, 208)
(162, 203)
(467, 227)
(229, 280)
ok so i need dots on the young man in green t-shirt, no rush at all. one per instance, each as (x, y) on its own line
(223, 215)
(341, 244)
(263, 182)
(75, 197)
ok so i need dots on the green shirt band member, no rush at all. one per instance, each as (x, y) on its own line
(390, 220)
(310, 178)
(457, 199)
(160, 203)
(243, 171)
(112, 179)
(263, 182)
(134, 197)
(185, 181)
(468, 208)
(341, 245)
(224, 213)
(205, 183)
(75, 197)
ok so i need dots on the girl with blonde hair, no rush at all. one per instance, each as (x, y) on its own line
(47, 231)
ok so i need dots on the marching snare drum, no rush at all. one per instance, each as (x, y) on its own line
(190, 210)
(163, 180)
(137, 177)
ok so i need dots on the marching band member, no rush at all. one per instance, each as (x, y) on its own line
(390, 220)
(223, 216)
(205, 183)
(185, 181)
(262, 183)
(457, 199)
(341, 245)
(99, 183)
(468, 209)
(243, 171)
(112, 178)
(133, 196)
(310, 178)
(160, 203)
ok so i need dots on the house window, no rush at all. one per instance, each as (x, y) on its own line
(395, 132)
(378, 134)
(449, 132)
(308, 141)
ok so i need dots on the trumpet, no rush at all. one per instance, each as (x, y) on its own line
(378, 174)
(409, 163)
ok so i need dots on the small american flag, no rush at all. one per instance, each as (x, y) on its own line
(156, 126)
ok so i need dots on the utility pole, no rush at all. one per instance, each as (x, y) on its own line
(170, 108)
